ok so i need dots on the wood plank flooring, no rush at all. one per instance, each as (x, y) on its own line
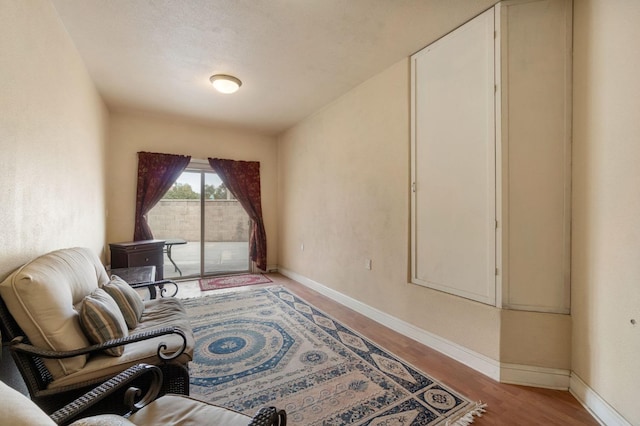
(508, 405)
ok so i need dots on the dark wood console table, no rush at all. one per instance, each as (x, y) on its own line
(139, 253)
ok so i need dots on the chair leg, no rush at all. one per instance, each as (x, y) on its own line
(269, 416)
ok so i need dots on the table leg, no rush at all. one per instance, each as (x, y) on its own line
(171, 260)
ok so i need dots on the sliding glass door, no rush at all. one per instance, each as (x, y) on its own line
(206, 230)
(226, 229)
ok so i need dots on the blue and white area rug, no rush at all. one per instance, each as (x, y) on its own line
(267, 346)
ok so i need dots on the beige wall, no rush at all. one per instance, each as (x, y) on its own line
(52, 139)
(344, 193)
(535, 339)
(606, 201)
(131, 132)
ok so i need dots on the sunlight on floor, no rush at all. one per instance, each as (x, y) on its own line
(187, 289)
(190, 288)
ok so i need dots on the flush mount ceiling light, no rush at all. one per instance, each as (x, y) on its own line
(225, 83)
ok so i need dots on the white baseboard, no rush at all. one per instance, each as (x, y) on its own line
(272, 268)
(525, 375)
(540, 377)
(598, 407)
(507, 373)
(470, 358)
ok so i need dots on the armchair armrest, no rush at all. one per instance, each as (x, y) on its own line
(112, 386)
(151, 287)
(17, 345)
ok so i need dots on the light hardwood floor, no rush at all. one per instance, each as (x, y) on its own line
(508, 405)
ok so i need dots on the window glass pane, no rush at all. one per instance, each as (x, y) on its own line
(226, 247)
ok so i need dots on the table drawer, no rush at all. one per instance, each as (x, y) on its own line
(145, 258)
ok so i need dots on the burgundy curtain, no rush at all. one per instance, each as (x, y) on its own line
(156, 174)
(242, 178)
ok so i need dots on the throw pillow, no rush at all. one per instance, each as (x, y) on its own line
(101, 320)
(128, 300)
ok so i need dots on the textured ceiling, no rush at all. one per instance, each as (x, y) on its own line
(293, 56)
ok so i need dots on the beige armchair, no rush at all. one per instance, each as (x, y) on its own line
(142, 407)
(67, 333)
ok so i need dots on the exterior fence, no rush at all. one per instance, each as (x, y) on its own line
(225, 220)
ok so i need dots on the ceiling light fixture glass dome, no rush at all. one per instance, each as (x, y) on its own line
(225, 83)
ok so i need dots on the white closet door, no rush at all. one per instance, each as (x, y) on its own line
(453, 163)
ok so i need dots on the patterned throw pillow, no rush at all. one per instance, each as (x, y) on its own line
(128, 300)
(102, 320)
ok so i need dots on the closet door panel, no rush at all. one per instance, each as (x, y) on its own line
(536, 64)
(453, 225)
